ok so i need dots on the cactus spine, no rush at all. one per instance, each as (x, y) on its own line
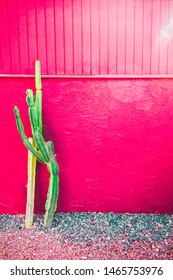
(41, 150)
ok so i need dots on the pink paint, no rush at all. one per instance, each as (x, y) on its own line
(114, 37)
(113, 141)
(113, 138)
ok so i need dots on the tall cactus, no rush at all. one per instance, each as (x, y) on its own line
(42, 151)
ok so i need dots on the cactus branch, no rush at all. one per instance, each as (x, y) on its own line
(31, 109)
(38, 83)
(38, 101)
(24, 138)
(38, 107)
(51, 200)
(30, 187)
(41, 145)
(30, 97)
(52, 196)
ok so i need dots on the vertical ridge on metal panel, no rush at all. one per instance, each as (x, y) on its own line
(1, 68)
(170, 46)
(164, 37)
(5, 48)
(59, 34)
(54, 24)
(32, 32)
(86, 36)
(46, 34)
(129, 48)
(138, 47)
(50, 38)
(8, 30)
(121, 38)
(18, 38)
(155, 37)
(68, 37)
(13, 39)
(112, 36)
(151, 35)
(27, 35)
(90, 40)
(146, 37)
(159, 41)
(72, 16)
(23, 37)
(77, 37)
(0, 56)
(41, 27)
(95, 36)
(103, 37)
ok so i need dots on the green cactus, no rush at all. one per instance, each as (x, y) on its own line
(43, 151)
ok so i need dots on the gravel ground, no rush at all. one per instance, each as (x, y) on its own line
(96, 236)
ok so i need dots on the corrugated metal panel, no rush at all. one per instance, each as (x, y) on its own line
(100, 37)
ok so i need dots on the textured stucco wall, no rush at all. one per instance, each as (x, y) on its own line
(113, 141)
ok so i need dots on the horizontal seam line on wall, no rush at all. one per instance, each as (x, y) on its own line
(90, 76)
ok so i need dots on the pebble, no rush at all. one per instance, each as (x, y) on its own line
(88, 235)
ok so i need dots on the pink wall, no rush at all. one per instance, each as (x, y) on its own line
(113, 141)
(86, 36)
(113, 137)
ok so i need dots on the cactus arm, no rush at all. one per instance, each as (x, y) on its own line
(24, 138)
(30, 186)
(31, 109)
(35, 129)
(51, 200)
(38, 83)
(38, 101)
(30, 99)
(33, 151)
(54, 165)
(32, 116)
(38, 106)
(52, 196)
(41, 145)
